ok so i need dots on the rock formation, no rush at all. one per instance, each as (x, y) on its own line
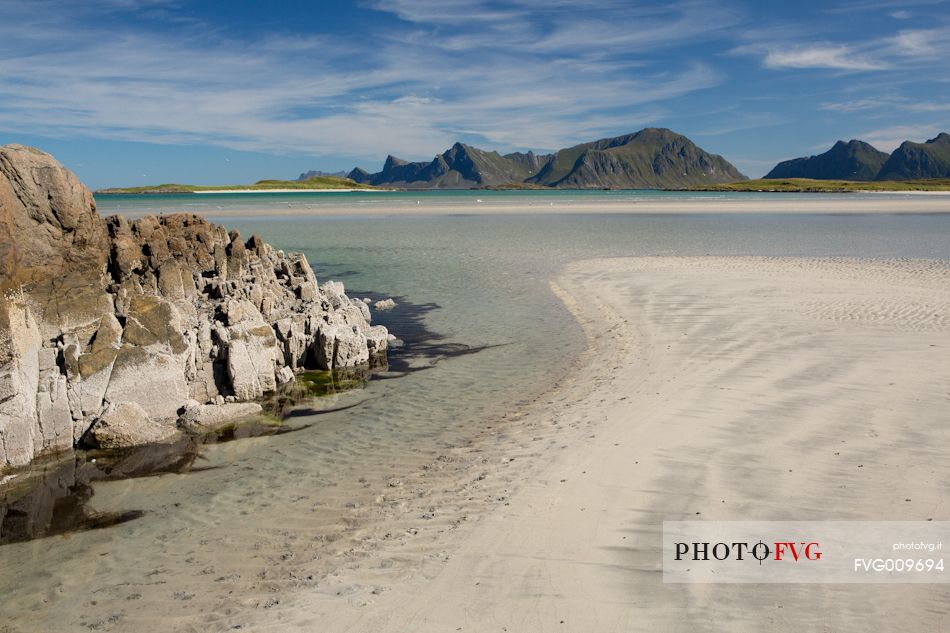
(117, 332)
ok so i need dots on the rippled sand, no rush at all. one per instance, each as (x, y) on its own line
(728, 388)
(739, 388)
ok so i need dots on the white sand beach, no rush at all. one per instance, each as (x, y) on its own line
(714, 388)
(423, 204)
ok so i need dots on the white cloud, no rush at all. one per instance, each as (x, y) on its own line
(865, 7)
(444, 11)
(929, 106)
(859, 105)
(886, 104)
(837, 57)
(413, 90)
(750, 121)
(792, 47)
(924, 44)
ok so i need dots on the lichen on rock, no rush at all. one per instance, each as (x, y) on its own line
(113, 331)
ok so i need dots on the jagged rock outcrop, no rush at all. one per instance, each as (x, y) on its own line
(112, 330)
(37, 193)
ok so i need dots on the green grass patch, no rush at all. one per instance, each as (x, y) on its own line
(827, 186)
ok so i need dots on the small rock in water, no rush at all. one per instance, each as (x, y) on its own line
(385, 304)
(284, 375)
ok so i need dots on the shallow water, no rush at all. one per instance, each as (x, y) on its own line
(257, 503)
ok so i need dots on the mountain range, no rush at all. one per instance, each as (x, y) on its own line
(857, 160)
(653, 158)
(919, 160)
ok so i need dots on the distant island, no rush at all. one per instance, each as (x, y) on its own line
(317, 183)
(316, 173)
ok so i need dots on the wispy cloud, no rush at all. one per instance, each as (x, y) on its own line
(866, 6)
(525, 77)
(859, 105)
(792, 47)
(745, 122)
(824, 56)
(412, 76)
(923, 44)
(887, 104)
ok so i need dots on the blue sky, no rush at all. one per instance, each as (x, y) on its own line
(145, 91)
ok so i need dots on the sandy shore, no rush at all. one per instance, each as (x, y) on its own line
(701, 203)
(720, 388)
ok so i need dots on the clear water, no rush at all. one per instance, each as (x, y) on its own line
(259, 500)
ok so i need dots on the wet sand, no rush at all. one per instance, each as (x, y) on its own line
(713, 388)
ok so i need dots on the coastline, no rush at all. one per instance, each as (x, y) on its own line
(791, 204)
(731, 387)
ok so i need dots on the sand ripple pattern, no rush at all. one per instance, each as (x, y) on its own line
(725, 387)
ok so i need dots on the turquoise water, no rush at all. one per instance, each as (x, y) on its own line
(484, 280)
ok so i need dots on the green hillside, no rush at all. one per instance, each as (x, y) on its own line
(919, 160)
(650, 158)
(854, 160)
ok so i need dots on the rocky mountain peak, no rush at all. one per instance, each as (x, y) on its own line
(392, 161)
(852, 160)
(652, 157)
